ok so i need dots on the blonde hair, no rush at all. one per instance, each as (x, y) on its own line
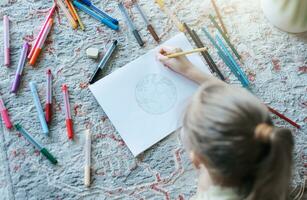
(232, 131)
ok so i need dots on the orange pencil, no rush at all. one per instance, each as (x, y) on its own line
(71, 10)
(41, 42)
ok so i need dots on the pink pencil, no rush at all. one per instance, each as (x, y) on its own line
(6, 41)
(41, 31)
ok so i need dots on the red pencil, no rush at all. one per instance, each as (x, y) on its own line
(283, 117)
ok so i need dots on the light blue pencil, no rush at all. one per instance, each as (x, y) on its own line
(39, 108)
(227, 60)
(241, 75)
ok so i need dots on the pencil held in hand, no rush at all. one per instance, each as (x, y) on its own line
(186, 52)
(180, 64)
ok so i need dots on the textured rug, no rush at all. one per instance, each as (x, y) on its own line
(276, 63)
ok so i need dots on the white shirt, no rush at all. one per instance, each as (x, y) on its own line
(217, 193)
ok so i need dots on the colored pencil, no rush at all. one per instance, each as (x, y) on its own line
(52, 10)
(225, 37)
(219, 16)
(243, 77)
(234, 70)
(227, 60)
(174, 55)
(212, 66)
(283, 117)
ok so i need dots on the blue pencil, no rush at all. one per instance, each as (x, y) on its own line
(241, 75)
(103, 20)
(227, 60)
(39, 108)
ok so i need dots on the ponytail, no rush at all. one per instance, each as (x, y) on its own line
(273, 174)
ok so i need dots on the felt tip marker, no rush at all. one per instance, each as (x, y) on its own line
(21, 64)
(41, 42)
(71, 20)
(6, 40)
(39, 108)
(52, 10)
(103, 20)
(130, 24)
(87, 164)
(48, 105)
(102, 13)
(69, 125)
(149, 26)
(43, 150)
(5, 115)
(103, 61)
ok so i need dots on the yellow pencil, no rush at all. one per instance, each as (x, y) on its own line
(186, 52)
(76, 13)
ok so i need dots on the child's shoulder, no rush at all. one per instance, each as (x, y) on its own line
(217, 193)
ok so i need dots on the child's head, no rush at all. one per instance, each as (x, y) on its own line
(230, 131)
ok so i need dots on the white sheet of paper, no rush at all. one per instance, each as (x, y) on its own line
(145, 100)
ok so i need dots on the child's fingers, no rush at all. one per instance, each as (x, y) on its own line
(163, 59)
(169, 50)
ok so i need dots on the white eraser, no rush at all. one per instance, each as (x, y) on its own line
(92, 53)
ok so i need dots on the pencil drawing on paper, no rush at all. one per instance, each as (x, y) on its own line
(156, 94)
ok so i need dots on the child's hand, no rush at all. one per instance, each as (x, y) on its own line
(179, 64)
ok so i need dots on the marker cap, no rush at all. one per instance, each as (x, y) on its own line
(48, 155)
(69, 126)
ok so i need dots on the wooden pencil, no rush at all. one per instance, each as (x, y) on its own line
(219, 16)
(174, 55)
(214, 69)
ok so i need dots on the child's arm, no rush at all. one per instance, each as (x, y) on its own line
(183, 66)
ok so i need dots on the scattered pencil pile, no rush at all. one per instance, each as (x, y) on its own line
(221, 43)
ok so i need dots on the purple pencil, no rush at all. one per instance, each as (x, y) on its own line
(21, 64)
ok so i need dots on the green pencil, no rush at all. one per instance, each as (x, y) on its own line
(225, 37)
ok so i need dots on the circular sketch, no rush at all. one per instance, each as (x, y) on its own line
(155, 94)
